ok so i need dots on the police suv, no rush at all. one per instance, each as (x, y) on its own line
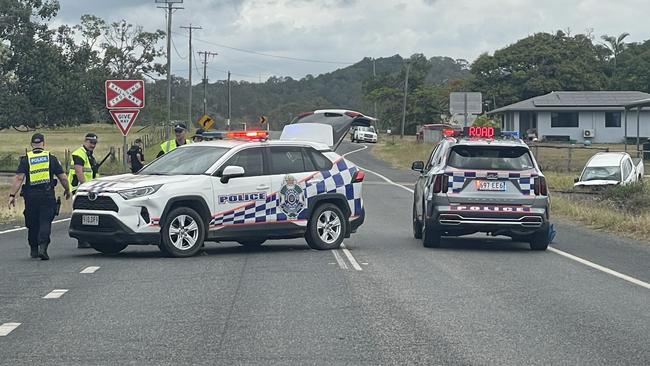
(242, 188)
(480, 180)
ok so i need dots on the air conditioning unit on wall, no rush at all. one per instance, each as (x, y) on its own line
(588, 133)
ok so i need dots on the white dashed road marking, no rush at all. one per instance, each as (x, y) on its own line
(7, 328)
(91, 269)
(55, 294)
(554, 250)
(339, 260)
(353, 261)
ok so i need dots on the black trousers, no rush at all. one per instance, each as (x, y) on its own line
(39, 213)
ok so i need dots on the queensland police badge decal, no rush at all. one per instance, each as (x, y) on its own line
(292, 197)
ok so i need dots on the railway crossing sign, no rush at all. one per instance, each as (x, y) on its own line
(124, 119)
(124, 94)
(206, 122)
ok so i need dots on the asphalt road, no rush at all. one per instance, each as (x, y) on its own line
(383, 300)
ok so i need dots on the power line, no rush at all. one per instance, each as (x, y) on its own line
(272, 55)
(177, 53)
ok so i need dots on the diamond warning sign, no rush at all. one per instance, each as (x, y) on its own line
(124, 118)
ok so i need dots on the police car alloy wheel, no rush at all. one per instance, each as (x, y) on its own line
(183, 233)
(326, 228)
(417, 225)
(109, 248)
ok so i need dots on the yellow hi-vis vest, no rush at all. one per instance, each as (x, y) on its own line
(87, 169)
(170, 145)
(39, 167)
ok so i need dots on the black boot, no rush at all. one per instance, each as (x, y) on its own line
(33, 252)
(83, 244)
(42, 252)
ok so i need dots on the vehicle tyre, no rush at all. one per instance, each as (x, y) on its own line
(417, 225)
(430, 238)
(108, 248)
(326, 227)
(252, 243)
(539, 240)
(183, 233)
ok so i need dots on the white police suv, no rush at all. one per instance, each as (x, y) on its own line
(245, 188)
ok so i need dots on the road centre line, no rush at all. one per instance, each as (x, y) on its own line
(55, 294)
(7, 328)
(554, 250)
(351, 258)
(339, 260)
(91, 269)
(601, 268)
(24, 228)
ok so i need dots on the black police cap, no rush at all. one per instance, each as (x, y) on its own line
(91, 136)
(180, 126)
(37, 138)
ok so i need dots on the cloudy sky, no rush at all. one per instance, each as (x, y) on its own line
(334, 33)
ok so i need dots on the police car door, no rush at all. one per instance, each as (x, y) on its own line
(290, 169)
(242, 200)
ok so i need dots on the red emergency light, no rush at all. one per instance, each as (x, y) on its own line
(248, 135)
(449, 132)
(485, 132)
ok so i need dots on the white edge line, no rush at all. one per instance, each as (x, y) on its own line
(355, 151)
(339, 260)
(7, 328)
(55, 294)
(24, 228)
(351, 258)
(556, 251)
(91, 269)
(601, 268)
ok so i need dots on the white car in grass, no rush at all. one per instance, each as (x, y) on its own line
(610, 168)
(364, 134)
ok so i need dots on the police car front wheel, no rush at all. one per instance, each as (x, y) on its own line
(326, 228)
(183, 233)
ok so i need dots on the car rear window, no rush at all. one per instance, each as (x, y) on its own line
(490, 158)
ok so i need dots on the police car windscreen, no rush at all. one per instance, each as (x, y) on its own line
(191, 160)
(490, 158)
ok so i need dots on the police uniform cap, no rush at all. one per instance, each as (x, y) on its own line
(180, 127)
(37, 138)
(91, 136)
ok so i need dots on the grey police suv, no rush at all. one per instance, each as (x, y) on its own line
(472, 185)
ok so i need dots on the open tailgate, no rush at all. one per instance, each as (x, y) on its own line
(339, 121)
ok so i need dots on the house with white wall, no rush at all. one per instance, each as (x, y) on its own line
(598, 116)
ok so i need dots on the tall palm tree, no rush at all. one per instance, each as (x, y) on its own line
(615, 45)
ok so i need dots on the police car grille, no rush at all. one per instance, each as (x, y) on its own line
(99, 204)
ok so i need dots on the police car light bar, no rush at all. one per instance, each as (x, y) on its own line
(248, 135)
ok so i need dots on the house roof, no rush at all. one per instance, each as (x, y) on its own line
(576, 100)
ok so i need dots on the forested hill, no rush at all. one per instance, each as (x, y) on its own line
(281, 98)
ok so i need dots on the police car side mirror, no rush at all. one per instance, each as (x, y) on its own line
(232, 171)
(418, 166)
(576, 179)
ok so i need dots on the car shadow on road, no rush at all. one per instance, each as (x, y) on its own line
(482, 244)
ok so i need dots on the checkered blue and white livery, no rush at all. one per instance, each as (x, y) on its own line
(456, 180)
(336, 180)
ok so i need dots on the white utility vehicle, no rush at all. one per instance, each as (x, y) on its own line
(610, 168)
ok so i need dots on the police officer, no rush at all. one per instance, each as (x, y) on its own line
(135, 156)
(181, 131)
(84, 168)
(37, 169)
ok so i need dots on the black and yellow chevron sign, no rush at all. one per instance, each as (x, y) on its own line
(263, 120)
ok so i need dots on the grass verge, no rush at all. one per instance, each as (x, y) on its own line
(622, 210)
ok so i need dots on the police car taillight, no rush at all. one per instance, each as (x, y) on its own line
(248, 135)
(449, 132)
(440, 183)
(540, 186)
(358, 176)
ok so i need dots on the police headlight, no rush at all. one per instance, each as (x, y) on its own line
(128, 194)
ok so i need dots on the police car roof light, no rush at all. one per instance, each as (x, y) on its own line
(513, 134)
(449, 132)
(248, 135)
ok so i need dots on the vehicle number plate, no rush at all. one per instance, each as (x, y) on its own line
(485, 185)
(92, 220)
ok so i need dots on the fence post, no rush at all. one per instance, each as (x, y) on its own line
(568, 166)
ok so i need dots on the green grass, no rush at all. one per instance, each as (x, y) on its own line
(622, 210)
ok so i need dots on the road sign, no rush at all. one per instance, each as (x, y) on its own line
(461, 103)
(124, 118)
(124, 94)
(263, 120)
(206, 122)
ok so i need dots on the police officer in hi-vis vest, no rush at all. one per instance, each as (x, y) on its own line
(181, 131)
(84, 168)
(38, 169)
